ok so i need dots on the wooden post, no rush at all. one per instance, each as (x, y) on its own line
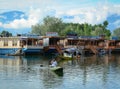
(110, 51)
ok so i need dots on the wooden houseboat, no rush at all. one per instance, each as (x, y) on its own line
(85, 44)
(93, 44)
(112, 46)
(32, 44)
(29, 44)
(18, 45)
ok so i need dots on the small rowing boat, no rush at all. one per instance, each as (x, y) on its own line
(58, 70)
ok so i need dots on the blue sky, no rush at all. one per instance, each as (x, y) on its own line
(76, 11)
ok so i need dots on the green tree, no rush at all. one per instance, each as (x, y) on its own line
(101, 29)
(105, 24)
(87, 29)
(5, 33)
(50, 24)
(67, 28)
(116, 32)
(98, 31)
(107, 33)
(53, 24)
(39, 29)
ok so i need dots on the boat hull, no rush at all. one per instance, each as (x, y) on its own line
(57, 70)
(32, 51)
(4, 51)
(26, 51)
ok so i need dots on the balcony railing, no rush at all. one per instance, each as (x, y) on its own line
(33, 46)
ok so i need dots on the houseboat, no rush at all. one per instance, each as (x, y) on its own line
(53, 44)
(85, 44)
(21, 44)
(29, 44)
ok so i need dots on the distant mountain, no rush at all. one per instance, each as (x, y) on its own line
(7, 17)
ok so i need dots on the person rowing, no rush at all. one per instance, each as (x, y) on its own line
(54, 63)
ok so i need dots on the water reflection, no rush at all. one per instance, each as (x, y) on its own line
(95, 69)
(101, 72)
(10, 61)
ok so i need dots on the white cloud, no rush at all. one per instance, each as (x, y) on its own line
(23, 5)
(1, 24)
(114, 9)
(17, 24)
(92, 14)
(34, 16)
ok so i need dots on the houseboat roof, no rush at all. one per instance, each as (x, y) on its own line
(54, 37)
(22, 37)
(29, 36)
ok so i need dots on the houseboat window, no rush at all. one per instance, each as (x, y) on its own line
(29, 42)
(52, 41)
(5, 43)
(14, 43)
(40, 42)
(111, 44)
(22, 43)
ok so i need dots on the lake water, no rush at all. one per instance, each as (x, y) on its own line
(93, 72)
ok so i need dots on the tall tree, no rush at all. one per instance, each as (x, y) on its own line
(98, 31)
(38, 29)
(53, 24)
(5, 33)
(116, 32)
(105, 23)
(50, 24)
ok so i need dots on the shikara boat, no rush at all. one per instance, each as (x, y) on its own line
(57, 70)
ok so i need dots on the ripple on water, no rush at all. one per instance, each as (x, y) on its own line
(91, 73)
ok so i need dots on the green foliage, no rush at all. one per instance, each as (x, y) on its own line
(38, 29)
(5, 33)
(80, 29)
(53, 24)
(107, 33)
(105, 24)
(98, 31)
(116, 32)
(101, 29)
(50, 24)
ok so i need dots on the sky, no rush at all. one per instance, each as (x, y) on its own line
(76, 11)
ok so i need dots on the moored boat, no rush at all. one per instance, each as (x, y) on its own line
(26, 43)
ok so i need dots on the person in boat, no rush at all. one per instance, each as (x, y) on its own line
(53, 63)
